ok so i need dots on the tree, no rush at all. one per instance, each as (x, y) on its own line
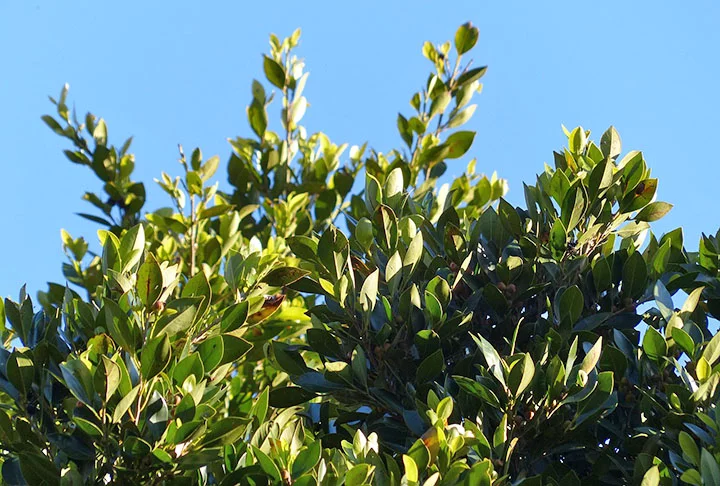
(299, 330)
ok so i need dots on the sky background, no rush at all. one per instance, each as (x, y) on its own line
(180, 72)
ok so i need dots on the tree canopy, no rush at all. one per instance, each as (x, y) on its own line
(305, 328)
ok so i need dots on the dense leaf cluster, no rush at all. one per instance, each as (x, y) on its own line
(305, 329)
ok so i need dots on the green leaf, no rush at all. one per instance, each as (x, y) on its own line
(113, 376)
(289, 396)
(509, 217)
(266, 463)
(593, 405)
(100, 134)
(111, 252)
(206, 171)
(307, 459)
(419, 453)
(404, 129)
(211, 352)
(234, 348)
(663, 300)
(155, 356)
(572, 303)
(430, 367)
(53, 124)
(289, 360)
(653, 211)
(709, 468)
(494, 363)
(640, 196)
(39, 469)
(610, 143)
(260, 407)
(558, 238)
(11, 472)
(359, 475)
(690, 449)
(393, 271)
(358, 363)
(274, 72)
(149, 281)
(297, 110)
(78, 379)
(459, 143)
(136, 447)
(521, 374)
(217, 210)
(445, 408)
(462, 117)
(683, 340)
(20, 371)
(478, 390)
(177, 323)
(281, 277)
(324, 343)
(225, 431)
(690, 303)
(573, 207)
(692, 476)
(601, 177)
(634, 276)
(369, 291)
(394, 183)
(132, 245)
(439, 103)
(651, 477)
(577, 140)
(189, 365)
(364, 233)
(411, 469)
(162, 456)
(88, 427)
(125, 403)
(373, 193)
(654, 345)
(500, 434)
(413, 254)
(439, 287)
(592, 357)
(661, 258)
(592, 321)
(465, 38)
(712, 351)
(471, 75)
(559, 186)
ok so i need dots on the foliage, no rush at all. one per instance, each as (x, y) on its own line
(299, 329)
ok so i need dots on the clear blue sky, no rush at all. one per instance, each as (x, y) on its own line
(180, 72)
